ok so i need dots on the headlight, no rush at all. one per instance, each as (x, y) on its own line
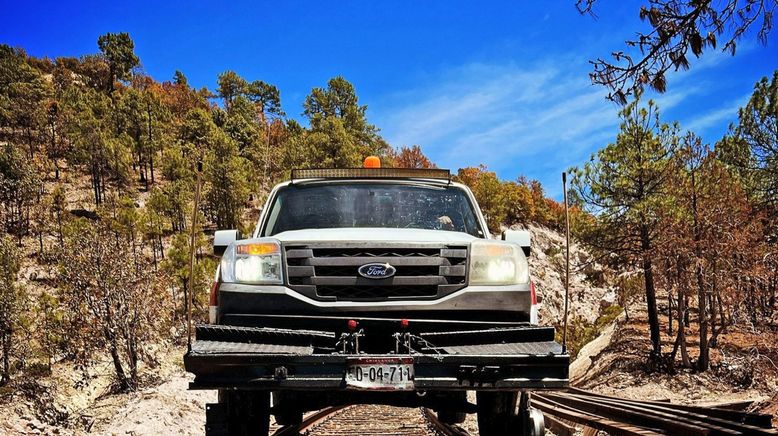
(255, 262)
(497, 263)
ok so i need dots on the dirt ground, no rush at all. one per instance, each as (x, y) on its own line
(165, 409)
(742, 367)
(60, 404)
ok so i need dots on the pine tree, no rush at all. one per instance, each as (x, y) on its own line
(227, 183)
(340, 135)
(757, 129)
(625, 184)
(118, 50)
(19, 188)
(12, 300)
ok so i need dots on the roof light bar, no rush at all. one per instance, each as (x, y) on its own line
(371, 173)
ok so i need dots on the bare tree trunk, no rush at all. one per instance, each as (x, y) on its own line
(682, 329)
(713, 308)
(702, 300)
(186, 294)
(5, 376)
(151, 166)
(132, 355)
(704, 361)
(653, 318)
(719, 309)
(669, 312)
(151, 144)
(124, 384)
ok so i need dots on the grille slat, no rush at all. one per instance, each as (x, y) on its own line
(332, 272)
(454, 252)
(361, 260)
(292, 254)
(380, 252)
(300, 271)
(383, 283)
(458, 270)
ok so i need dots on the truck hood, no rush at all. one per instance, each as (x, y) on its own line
(374, 234)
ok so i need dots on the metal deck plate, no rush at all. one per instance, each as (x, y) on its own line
(527, 348)
(220, 347)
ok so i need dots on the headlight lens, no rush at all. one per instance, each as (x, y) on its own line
(253, 262)
(497, 263)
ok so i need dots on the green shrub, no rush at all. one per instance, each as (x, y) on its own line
(580, 332)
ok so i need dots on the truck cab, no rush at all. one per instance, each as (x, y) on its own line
(373, 285)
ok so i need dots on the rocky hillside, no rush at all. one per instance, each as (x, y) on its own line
(589, 288)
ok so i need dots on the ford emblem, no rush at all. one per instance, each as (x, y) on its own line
(376, 271)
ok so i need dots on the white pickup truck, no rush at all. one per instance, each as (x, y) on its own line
(373, 285)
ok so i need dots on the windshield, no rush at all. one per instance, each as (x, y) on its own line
(388, 205)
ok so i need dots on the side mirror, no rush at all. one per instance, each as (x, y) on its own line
(523, 238)
(223, 238)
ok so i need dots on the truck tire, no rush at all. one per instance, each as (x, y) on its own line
(535, 424)
(248, 412)
(496, 413)
(289, 417)
(449, 417)
(451, 413)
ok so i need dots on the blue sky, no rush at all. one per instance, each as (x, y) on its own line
(503, 83)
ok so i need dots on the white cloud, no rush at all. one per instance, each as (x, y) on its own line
(718, 116)
(515, 119)
(535, 119)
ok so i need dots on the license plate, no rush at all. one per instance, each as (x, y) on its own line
(380, 373)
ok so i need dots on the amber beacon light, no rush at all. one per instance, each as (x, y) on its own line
(372, 162)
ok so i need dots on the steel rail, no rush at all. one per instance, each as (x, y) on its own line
(309, 421)
(756, 419)
(632, 417)
(597, 422)
(715, 424)
(442, 427)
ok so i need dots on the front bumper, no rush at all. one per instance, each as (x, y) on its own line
(485, 303)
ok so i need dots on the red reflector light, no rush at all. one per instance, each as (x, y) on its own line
(404, 323)
(352, 324)
(533, 294)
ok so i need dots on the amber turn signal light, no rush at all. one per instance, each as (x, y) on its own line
(258, 249)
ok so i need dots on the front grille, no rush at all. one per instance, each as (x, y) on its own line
(403, 271)
(330, 272)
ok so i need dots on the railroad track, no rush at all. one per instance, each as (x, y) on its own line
(618, 416)
(564, 412)
(371, 420)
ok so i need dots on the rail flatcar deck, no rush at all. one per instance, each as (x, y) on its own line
(271, 358)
